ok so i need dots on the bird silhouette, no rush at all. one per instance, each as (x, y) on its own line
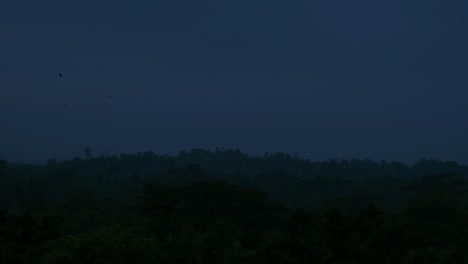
(60, 75)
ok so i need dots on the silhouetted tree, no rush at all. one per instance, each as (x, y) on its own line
(88, 153)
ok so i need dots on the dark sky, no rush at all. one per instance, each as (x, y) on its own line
(324, 79)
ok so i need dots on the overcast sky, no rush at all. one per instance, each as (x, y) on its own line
(323, 78)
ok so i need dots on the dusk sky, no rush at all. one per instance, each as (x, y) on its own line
(324, 79)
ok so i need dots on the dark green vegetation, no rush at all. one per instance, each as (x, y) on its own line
(228, 207)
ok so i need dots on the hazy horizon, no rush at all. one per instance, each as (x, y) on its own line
(108, 153)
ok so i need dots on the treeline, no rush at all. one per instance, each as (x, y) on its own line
(290, 180)
(236, 161)
(228, 207)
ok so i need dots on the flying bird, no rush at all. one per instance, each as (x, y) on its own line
(60, 75)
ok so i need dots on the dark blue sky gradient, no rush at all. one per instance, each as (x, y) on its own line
(325, 79)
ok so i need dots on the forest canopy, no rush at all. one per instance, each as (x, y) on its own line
(226, 206)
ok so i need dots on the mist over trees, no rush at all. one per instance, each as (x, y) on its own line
(225, 206)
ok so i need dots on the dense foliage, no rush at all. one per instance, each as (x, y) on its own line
(228, 207)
